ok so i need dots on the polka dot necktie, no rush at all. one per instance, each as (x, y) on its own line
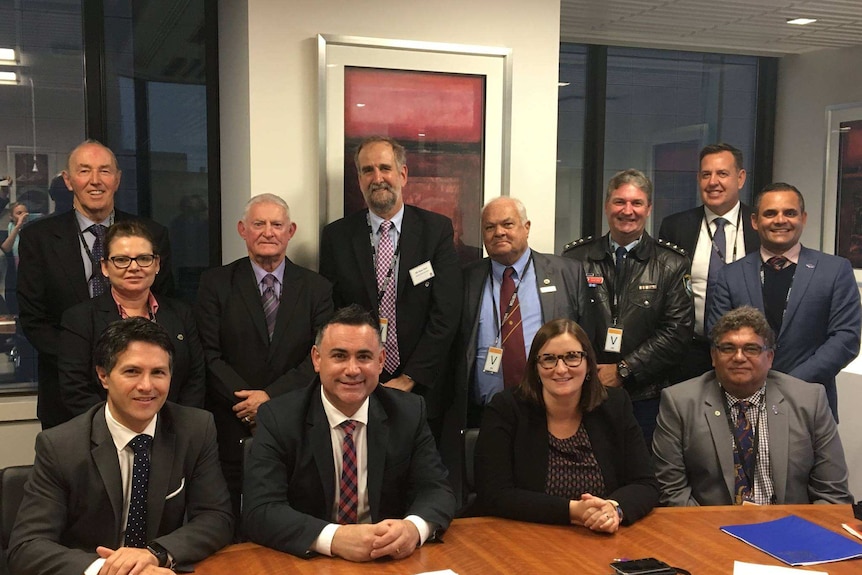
(136, 526)
(348, 501)
(98, 281)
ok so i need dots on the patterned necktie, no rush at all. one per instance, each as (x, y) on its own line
(776, 262)
(98, 281)
(717, 251)
(269, 299)
(136, 526)
(385, 254)
(512, 332)
(743, 455)
(348, 501)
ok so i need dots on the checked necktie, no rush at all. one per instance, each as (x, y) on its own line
(512, 332)
(98, 281)
(716, 257)
(743, 455)
(136, 525)
(385, 278)
(348, 501)
(269, 299)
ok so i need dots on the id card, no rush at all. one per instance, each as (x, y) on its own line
(384, 323)
(421, 273)
(494, 360)
(614, 340)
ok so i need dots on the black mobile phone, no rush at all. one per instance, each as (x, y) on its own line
(648, 566)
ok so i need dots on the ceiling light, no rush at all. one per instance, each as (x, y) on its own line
(802, 21)
(7, 56)
(8, 77)
(562, 84)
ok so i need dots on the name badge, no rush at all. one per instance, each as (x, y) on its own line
(421, 273)
(494, 360)
(384, 323)
(593, 281)
(614, 340)
(548, 289)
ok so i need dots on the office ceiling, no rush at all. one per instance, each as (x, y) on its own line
(756, 27)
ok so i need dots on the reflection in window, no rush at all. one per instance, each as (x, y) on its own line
(570, 143)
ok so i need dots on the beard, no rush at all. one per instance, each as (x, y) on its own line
(381, 202)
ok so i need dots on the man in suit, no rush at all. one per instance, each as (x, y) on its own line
(771, 435)
(809, 298)
(554, 288)
(59, 263)
(256, 319)
(641, 293)
(721, 176)
(132, 485)
(345, 467)
(398, 261)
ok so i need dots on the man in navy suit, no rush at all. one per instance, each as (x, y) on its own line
(345, 467)
(720, 178)
(415, 291)
(809, 298)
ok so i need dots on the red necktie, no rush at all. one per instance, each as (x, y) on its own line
(385, 278)
(512, 332)
(348, 502)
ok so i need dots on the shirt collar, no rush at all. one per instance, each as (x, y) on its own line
(152, 305)
(754, 399)
(792, 254)
(84, 222)
(121, 434)
(260, 273)
(497, 268)
(628, 247)
(336, 418)
(732, 215)
(396, 220)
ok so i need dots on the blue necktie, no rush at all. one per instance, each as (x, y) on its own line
(717, 253)
(136, 525)
(620, 263)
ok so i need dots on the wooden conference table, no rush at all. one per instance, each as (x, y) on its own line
(684, 537)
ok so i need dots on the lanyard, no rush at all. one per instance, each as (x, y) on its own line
(391, 271)
(735, 235)
(754, 441)
(497, 323)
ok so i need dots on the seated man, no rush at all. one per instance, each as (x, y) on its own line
(745, 434)
(345, 467)
(130, 486)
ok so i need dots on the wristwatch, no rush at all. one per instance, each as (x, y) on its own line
(623, 370)
(164, 558)
(619, 509)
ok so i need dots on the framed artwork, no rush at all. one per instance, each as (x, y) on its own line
(450, 107)
(842, 200)
(32, 172)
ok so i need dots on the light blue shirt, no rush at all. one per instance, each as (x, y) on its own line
(260, 273)
(83, 223)
(487, 384)
(394, 235)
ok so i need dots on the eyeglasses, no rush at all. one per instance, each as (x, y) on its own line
(571, 359)
(751, 350)
(143, 260)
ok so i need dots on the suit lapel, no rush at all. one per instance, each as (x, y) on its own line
(320, 438)
(411, 234)
(715, 413)
(161, 464)
(475, 286)
(377, 437)
(247, 286)
(358, 236)
(545, 277)
(779, 437)
(104, 454)
(691, 233)
(751, 275)
(290, 291)
(805, 269)
(67, 253)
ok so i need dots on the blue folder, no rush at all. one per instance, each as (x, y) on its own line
(796, 541)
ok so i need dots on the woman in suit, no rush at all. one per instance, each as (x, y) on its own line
(560, 447)
(131, 265)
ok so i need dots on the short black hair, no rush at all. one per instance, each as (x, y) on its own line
(778, 187)
(121, 333)
(722, 147)
(354, 315)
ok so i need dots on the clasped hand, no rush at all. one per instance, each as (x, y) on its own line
(396, 538)
(129, 561)
(594, 513)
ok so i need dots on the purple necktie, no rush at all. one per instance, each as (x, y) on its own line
(269, 299)
(348, 501)
(386, 281)
(743, 455)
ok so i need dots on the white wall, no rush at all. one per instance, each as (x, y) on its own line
(268, 92)
(807, 84)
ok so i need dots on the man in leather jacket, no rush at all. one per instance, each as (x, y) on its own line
(641, 290)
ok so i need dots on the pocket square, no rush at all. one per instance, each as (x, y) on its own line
(177, 492)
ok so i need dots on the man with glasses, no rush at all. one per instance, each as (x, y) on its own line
(809, 298)
(60, 263)
(742, 433)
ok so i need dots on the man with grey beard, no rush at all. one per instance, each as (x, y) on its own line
(399, 262)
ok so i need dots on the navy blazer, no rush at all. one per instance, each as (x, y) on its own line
(821, 327)
(289, 490)
(512, 460)
(82, 325)
(683, 229)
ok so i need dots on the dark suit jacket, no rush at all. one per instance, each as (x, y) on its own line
(821, 326)
(289, 489)
(694, 449)
(569, 300)
(82, 325)
(51, 280)
(683, 229)
(238, 352)
(427, 313)
(512, 460)
(73, 501)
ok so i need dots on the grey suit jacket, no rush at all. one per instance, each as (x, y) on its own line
(73, 501)
(693, 444)
(567, 300)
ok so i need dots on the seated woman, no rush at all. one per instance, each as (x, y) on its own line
(130, 265)
(561, 448)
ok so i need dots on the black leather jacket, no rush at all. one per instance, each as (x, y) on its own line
(655, 312)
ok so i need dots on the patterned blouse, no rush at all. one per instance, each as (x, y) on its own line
(572, 467)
